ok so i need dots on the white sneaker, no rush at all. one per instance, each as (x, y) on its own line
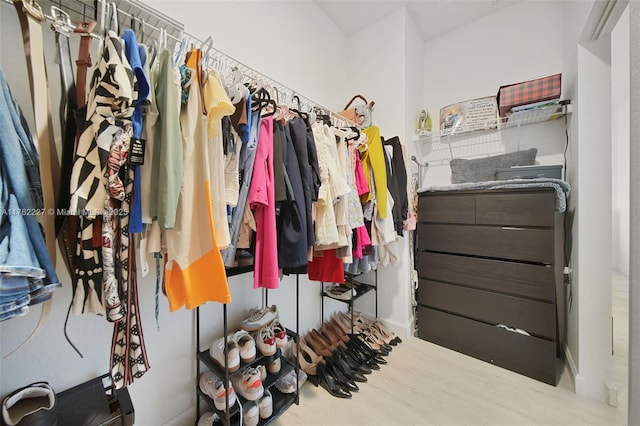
(259, 318)
(246, 345)
(266, 405)
(265, 341)
(280, 333)
(216, 352)
(274, 367)
(250, 414)
(263, 372)
(248, 384)
(211, 385)
(207, 418)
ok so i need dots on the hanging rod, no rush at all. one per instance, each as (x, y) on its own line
(247, 70)
(256, 75)
(216, 56)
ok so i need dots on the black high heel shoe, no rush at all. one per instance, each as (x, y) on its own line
(344, 368)
(370, 353)
(328, 382)
(355, 356)
(358, 367)
(345, 381)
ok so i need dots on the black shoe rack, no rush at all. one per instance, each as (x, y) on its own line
(360, 286)
(281, 401)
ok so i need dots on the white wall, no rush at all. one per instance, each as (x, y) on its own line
(574, 17)
(302, 48)
(634, 276)
(594, 220)
(306, 53)
(378, 69)
(414, 82)
(620, 142)
(475, 60)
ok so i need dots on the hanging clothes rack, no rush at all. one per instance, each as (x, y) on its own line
(148, 22)
(142, 15)
(224, 62)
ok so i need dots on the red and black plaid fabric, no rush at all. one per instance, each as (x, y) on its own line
(528, 92)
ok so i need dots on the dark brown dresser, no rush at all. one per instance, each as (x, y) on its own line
(491, 264)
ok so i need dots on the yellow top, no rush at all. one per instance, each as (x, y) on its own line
(373, 159)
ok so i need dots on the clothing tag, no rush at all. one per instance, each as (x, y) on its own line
(136, 154)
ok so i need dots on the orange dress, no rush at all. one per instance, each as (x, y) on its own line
(194, 273)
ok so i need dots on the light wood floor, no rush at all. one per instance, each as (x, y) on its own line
(425, 384)
(620, 306)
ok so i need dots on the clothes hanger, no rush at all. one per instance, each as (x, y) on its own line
(114, 18)
(205, 47)
(153, 47)
(142, 30)
(260, 99)
(234, 88)
(281, 109)
(310, 113)
(132, 25)
(103, 17)
(298, 110)
(165, 39)
(323, 116)
(181, 48)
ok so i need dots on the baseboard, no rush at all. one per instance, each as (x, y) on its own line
(403, 330)
(184, 418)
(571, 363)
(583, 386)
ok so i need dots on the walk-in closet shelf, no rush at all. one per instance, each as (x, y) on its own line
(514, 120)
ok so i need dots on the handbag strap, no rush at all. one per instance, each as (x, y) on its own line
(353, 99)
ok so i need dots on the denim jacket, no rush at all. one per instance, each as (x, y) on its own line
(25, 266)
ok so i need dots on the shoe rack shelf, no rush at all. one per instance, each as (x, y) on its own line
(239, 270)
(359, 288)
(285, 367)
(355, 293)
(281, 401)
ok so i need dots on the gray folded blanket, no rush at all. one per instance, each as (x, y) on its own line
(561, 187)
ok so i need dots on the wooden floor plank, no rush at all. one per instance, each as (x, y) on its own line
(425, 384)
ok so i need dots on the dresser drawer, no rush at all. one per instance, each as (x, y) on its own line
(538, 318)
(526, 355)
(529, 245)
(447, 208)
(518, 279)
(516, 209)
